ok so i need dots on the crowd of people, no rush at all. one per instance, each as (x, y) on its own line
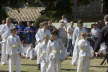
(50, 45)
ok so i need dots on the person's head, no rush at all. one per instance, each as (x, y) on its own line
(101, 24)
(106, 19)
(45, 25)
(63, 16)
(13, 31)
(49, 22)
(8, 20)
(80, 23)
(72, 23)
(29, 24)
(3, 21)
(54, 35)
(94, 26)
(83, 35)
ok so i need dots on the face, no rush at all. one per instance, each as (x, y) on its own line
(8, 21)
(84, 35)
(49, 22)
(14, 32)
(3, 22)
(46, 26)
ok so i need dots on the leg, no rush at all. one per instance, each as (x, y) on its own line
(18, 64)
(3, 54)
(86, 64)
(43, 67)
(80, 65)
(11, 63)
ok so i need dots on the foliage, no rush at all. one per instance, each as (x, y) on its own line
(3, 14)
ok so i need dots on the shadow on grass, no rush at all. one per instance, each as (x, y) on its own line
(8, 71)
(29, 64)
(69, 69)
(100, 66)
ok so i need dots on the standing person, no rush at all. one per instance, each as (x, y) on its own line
(69, 37)
(29, 33)
(54, 47)
(75, 38)
(85, 52)
(103, 37)
(20, 30)
(44, 54)
(4, 33)
(62, 34)
(40, 37)
(95, 33)
(13, 46)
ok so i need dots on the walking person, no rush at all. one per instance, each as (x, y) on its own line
(4, 33)
(85, 53)
(103, 37)
(13, 50)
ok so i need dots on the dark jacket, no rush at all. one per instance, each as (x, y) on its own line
(103, 37)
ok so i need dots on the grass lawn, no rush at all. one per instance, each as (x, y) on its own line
(30, 66)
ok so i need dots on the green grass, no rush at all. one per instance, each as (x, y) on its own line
(30, 66)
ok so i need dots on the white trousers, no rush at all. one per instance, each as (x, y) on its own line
(53, 66)
(43, 66)
(75, 55)
(3, 54)
(14, 60)
(83, 64)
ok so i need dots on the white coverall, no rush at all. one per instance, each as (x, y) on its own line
(40, 36)
(4, 33)
(54, 48)
(75, 38)
(85, 52)
(14, 47)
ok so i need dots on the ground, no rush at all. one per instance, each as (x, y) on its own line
(30, 66)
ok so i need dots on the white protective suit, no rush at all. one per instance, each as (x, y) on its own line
(75, 38)
(40, 36)
(43, 56)
(85, 52)
(14, 47)
(4, 33)
(54, 53)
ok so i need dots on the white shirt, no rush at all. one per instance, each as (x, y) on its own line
(69, 32)
(13, 45)
(85, 48)
(41, 34)
(76, 34)
(5, 31)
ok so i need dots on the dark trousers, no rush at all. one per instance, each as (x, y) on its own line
(70, 47)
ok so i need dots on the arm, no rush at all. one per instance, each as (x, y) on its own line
(99, 41)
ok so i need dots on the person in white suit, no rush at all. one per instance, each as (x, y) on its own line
(85, 53)
(40, 37)
(54, 53)
(13, 50)
(44, 55)
(4, 33)
(75, 38)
